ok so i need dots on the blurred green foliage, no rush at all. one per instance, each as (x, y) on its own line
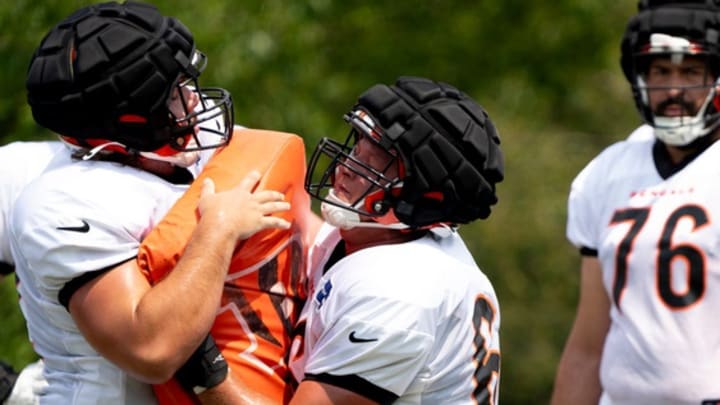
(547, 72)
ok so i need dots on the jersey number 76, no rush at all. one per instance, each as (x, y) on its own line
(667, 253)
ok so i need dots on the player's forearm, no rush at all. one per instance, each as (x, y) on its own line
(181, 308)
(577, 381)
(578, 375)
(232, 391)
(150, 331)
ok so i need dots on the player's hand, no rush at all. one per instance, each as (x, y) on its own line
(240, 211)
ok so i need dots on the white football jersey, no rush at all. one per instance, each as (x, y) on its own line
(418, 321)
(642, 133)
(74, 220)
(658, 240)
(20, 163)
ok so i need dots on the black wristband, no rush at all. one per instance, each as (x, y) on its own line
(8, 376)
(6, 269)
(205, 368)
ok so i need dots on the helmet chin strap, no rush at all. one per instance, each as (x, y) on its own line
(94, 151)
(181, 159)
(344, 218)
(681, 131)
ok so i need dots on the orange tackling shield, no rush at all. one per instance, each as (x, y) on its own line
(267, 281)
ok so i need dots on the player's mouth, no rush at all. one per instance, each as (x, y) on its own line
(675, 107)
(341, 192)
(675, 110)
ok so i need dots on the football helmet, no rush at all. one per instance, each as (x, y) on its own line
(674, 29)
(124, 78)
(443, 152)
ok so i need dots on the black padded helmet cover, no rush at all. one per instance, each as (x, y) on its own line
(107, 61)
(447, 144)
(695, 20)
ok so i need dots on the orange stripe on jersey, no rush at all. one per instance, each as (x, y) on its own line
(267, 281)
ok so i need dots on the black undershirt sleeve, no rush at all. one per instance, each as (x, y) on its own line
(357, 385)
(6, 268)
(586, 251)
(73, 285)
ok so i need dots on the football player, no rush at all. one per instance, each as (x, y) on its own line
(643, 216)
(120, 81)
(400, 311)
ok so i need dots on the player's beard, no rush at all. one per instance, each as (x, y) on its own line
(688, 108)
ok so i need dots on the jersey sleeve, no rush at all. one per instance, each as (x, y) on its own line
(580, 229)
(369, 339)
(82, 219)
(59, 249)
(20, 163)
(589, 191)
(603, 183)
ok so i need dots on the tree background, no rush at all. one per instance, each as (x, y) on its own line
(547, 72)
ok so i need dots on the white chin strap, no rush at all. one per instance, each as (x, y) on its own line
(679, 131)
(94, 151)
(344, 218)
(181, 159)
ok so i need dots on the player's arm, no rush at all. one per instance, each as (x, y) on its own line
(233, 391)
(318, 393)
(151, 331)
(578, 376)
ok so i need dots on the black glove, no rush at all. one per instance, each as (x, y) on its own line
(8, 376)
(205, 368)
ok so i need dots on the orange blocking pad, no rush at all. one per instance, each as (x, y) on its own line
(266, 286)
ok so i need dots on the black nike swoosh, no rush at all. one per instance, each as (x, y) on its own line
(359, 340)
(83, 229)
